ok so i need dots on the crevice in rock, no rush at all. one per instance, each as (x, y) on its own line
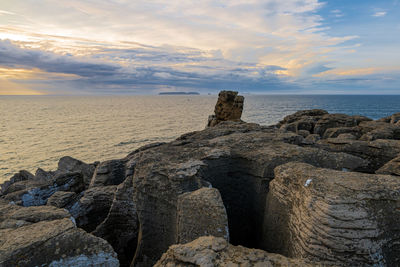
(243, 195)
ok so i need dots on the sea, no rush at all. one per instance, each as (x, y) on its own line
(36, 131)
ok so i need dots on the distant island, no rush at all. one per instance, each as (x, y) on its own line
(179, 93)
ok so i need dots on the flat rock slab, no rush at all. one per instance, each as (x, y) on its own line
(210, 251)
(54, 243)
(345, 218)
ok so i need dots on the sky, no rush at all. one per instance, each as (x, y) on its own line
(70, 47)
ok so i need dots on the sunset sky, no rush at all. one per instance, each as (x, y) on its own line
(144, 47)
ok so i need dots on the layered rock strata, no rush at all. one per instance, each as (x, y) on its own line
(344, 218)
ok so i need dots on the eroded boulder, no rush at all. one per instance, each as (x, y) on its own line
(53, 243)
(92, 208)
(110, 172)
(344, 218)
(337, 120)
(121, 227)
(69, 164)
(377, 152)
(62, 199)
(14, 216)
(200, 213)
(392, 167)
(210, 251)
(229, 107)
(36, 193)
(9, 187)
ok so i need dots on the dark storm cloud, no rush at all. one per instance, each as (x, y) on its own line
(13, 56)
(144, 67)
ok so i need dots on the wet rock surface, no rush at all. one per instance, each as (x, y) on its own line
(304, 188)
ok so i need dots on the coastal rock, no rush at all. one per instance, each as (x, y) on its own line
(34, 193)
(43, 176)
(392, 167)
(210, 251)
(18, 177)
(14, 216)
(379, 130)
(303, 124)
(229, 107)
(337, 120)
(110, 172)
(236, 158)
(377, 152)
(53, 243)
(62, 199)
(343, 218)
(313, 114)
(69, 164)
(395, 118)
(312, 139)
(167, 193)
(121, 227)
(201, 212)
(335, 132)
(92, 208)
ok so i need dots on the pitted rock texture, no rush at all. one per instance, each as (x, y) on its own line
(69, 164)
(392, 167)
(210, 251)
(200, 213)
(9, 187)
(14, 216)
(229, 107)
(92, 208)
(47, 236)
(53, 243)
(62, 199)
(121, 227)
(165, 193)
(377, 152)
(111, 172)
(236, 158)
(36, 193)
(344, 218)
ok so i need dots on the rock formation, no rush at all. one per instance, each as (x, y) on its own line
(309, 187)
(229, 107)
(38, 236)
(209, 251)
(200, 213)
(343, 218)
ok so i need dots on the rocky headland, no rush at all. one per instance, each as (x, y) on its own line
(317, 189)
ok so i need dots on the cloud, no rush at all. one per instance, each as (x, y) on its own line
(143, 68)
(379, 14)
(4, 12)
(13, 56)
(144, 46)
(337, 13)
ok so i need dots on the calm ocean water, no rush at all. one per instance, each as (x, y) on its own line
(35, 131)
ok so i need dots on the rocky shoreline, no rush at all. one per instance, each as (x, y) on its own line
(317, 189)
